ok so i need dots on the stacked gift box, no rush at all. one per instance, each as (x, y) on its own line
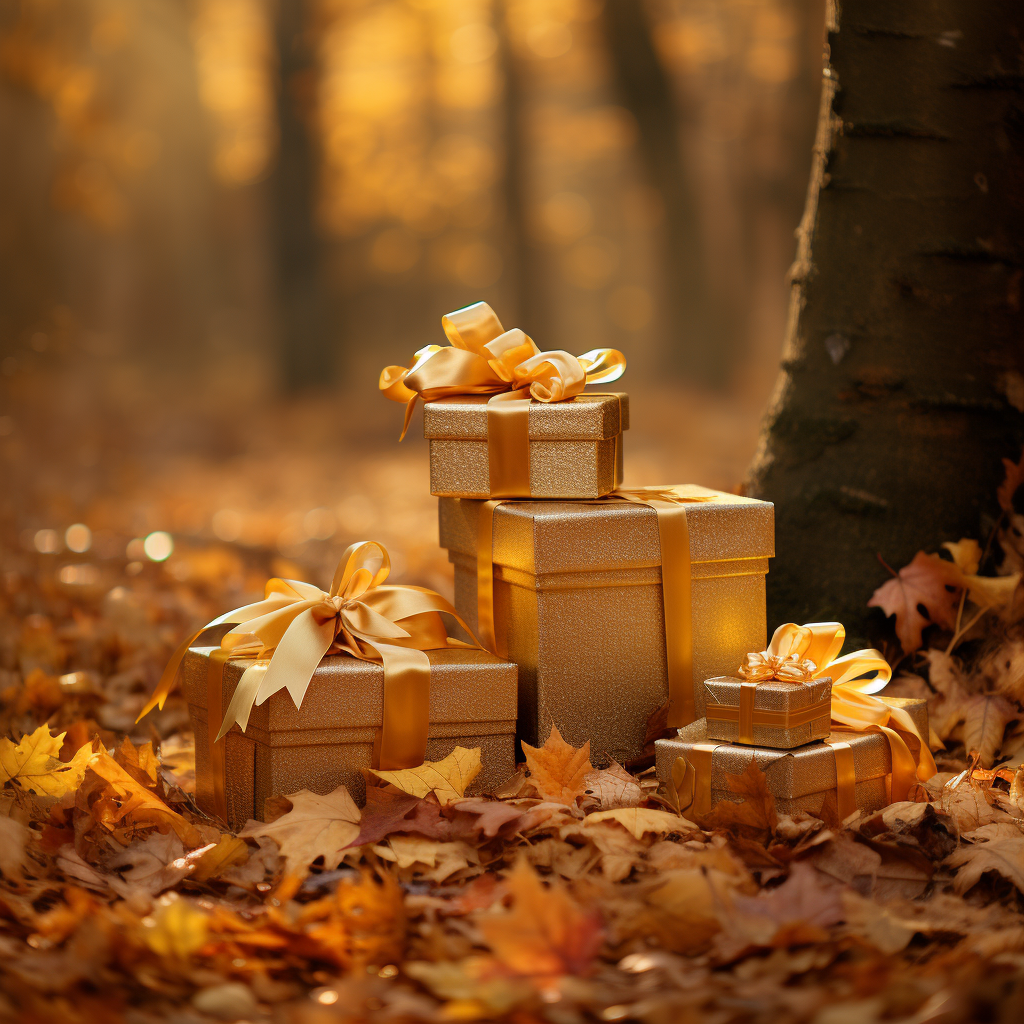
(577, 604)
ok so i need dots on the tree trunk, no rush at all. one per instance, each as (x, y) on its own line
(305, 341)
(901, 382)
(702, 343)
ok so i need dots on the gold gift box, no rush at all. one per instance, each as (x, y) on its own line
(575, 446)
(329, 741)
(785, 715)
(578, 601)
(801, 778)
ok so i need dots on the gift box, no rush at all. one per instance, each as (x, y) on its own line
(800, 779)
(775, 714)
(579, 604)
(574, 447)
(329, 741)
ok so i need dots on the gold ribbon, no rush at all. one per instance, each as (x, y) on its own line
(669, 503)
(296, 624)
(485, 359)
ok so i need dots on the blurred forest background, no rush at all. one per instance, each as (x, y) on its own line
(221, 218)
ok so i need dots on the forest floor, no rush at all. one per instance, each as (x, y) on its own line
(575, 894)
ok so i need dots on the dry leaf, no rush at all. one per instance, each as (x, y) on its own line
(447, 779)
(966, 554)
(176, 929)
(612, 787)
(13, 838)
(1003, 856)
(315, 826)
(639, 821)
(1014, 476)
(558, 770)
(985, 720)
(754, 813)
(546, 935)
(34, 765)
(922, 593)
(214, 861)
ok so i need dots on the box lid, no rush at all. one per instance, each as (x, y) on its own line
(770, 695)
(585, 417)
(607, 533)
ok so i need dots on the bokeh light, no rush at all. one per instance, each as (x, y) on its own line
(158, 546)
(78, 538)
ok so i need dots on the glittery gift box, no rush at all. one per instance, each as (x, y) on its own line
(801, 778)
(578, 602)
(329, 741)
(575, 446)
(785, 715)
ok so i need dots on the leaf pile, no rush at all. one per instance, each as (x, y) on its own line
(576, 893)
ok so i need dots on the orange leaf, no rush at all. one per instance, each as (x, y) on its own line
(922, 593)
(755, 813)
(546, 935)
(558, 770)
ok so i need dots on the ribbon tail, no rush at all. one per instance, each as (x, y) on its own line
(296, 657)
(243, 699)
(410, 408)
(403, 737)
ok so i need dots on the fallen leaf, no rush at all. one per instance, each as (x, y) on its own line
(442, 859)
(639, 821)
(314, 826)
(230, 852)
(1003, 856)
(875, 924)
(985, 721)
(966, 555)
(489, 817)
(34, 765)
(141, 763)
(177, 929)
(558, 770)
(447, 779)
(13, 839)
(754, 813)
(612, 787)
(922, 593)
(546, 935)
(153, 864)
(1012, 479)
(384, 812)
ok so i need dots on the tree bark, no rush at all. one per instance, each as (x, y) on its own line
(902, 364)
(306, 345)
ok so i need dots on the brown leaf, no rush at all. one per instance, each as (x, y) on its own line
(547, 935)
(558, 770)
(1003, 856)
(1012, 479)
(13, 838)
(754, 813)
(612, 787)
(985, 720)
(384, 812)
(315, 826)
(800, 909)
(657, 728)
(922, 593)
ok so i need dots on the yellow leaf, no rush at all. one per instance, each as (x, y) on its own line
(559, 770)
(446, 779)
(641, 820)
(215, 860)
(966, 554)
(34, 765)
(177, 929)
(992, 591)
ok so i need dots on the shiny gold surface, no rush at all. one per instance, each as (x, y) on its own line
(774, 696)
(586, 417)
(330, 740)
(577, 590)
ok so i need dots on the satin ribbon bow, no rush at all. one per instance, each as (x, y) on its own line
(485, 359)
(855, 677)
(296, 624)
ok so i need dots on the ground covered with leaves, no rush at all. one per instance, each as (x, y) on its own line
(575, 894)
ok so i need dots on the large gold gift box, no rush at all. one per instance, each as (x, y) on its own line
(784, 715)
(329, 741)
(578, 606)
(575, 446)
(800, 779)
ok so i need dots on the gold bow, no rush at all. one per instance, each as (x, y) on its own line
(855, 677)
(485, 359)
(296, 624)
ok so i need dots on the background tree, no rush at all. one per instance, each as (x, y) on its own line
(901, 385)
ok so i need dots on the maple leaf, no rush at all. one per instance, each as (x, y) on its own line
(33, 763)
(1003, 856)
(314, 826)
(546, 935)
(141, 763)
(1014, 477)
(116, 797)
(488, 817)
(384, 812)
(638, 821)
(558, 770)
(923, 593)
(612, 787)
(985, 721)
(755, 813)
(446, 779)
(441, 860)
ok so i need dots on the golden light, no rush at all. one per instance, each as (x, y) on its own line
(227, 525)
(46, 541)
(78, 538)
(158, 546)
(319, 524)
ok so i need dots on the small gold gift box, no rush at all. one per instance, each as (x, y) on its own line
(578, 604)
(800, 779)
(330, 740)
(575, 446)
(780, 714)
